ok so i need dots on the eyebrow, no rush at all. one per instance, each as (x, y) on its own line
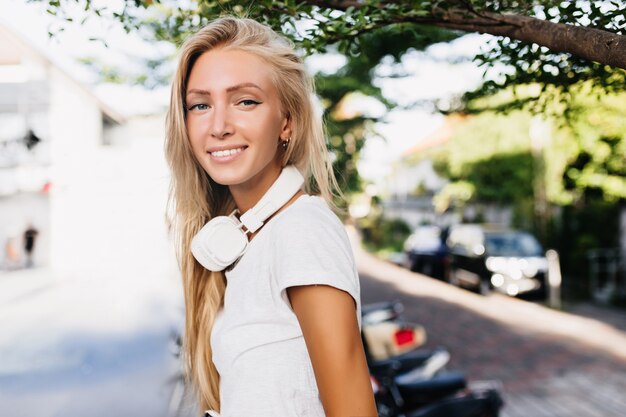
(228, 90)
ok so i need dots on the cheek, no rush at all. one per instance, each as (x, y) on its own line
(195, 138)
(273, 124)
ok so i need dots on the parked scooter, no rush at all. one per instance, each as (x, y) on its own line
(416, 384)
(445, 395)
(409, 337)
(387, 333)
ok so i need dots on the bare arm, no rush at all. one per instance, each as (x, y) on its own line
(329, 324)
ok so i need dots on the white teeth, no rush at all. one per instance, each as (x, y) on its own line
(226, 152)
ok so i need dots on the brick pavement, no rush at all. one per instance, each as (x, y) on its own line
(551, 363)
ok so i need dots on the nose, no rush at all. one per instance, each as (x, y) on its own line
(220, 123)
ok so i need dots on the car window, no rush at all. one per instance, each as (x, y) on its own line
(426, 238)
(464, 240)
(512, 244)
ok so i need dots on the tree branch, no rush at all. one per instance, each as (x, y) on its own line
(587, 43)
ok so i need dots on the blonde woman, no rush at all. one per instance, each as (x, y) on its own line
(276, 334)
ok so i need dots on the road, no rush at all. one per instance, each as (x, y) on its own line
(551, 363)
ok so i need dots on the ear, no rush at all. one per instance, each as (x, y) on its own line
(285, 131)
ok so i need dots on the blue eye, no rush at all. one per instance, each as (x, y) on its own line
(248, 102)
(198, 107)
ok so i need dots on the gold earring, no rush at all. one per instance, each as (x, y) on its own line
(285, 143)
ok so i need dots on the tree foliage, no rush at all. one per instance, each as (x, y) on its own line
(598, 164)
(487, 159)
(581, 157)
(561, 46)
(348, 132)
(556, 43)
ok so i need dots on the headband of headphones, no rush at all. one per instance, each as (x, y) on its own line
(222, 241)
(286, 185)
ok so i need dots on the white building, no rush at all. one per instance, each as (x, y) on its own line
(68, 124)
(413, 181)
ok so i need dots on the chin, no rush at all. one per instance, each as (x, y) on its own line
(225, 179)
(239, 174)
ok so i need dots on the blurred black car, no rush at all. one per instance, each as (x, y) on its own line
(426, 251)
(485, 258)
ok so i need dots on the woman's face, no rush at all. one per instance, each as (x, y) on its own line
(234, 119)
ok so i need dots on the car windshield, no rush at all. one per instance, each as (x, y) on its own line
(512, 244)
(426, 238)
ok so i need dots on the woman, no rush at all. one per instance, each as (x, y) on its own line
(282, 338)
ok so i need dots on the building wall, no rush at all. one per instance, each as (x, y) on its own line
(114, 223)
(405, 179)
(35, 94)
(24, 107)
(76, 127)
(416, 211)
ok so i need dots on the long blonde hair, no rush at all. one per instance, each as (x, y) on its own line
(195, 198)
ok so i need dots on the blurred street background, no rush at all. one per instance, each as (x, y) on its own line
(485, 176)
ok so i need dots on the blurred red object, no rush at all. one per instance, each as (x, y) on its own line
(404, 336)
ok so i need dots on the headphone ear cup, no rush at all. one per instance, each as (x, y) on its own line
(219, 243)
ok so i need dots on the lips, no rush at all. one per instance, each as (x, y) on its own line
(225, 153)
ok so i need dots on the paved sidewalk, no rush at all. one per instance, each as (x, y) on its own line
(82, 347)
(22, 283)
(551, 363)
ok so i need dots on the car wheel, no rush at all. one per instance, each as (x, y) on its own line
(484, 287)
(408, 264)
(452, 278)
(418, 265)
(427, 268)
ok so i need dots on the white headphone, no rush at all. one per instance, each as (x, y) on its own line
(221, 241)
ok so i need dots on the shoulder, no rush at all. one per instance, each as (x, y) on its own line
(310, 212)
(309, 224)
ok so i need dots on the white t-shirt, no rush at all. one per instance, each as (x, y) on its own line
(258, 347)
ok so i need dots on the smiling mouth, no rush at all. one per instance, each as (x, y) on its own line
(228, 152)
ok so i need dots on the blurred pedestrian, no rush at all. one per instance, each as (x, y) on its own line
(244, 137)
(30, 236)
(11, 256)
